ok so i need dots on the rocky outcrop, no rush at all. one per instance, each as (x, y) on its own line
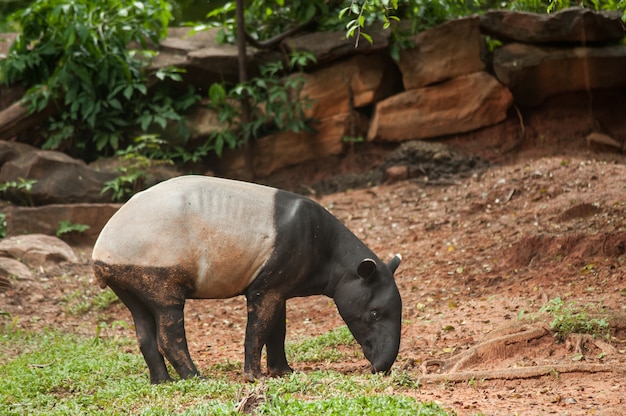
(37, 250)
(332, 46)
(57, 177)
(449, 50)
(462, 104)
(355, 82)
(533, 73)
(288, 148)
(574, 25)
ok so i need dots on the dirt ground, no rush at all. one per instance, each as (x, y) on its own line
(483, 250)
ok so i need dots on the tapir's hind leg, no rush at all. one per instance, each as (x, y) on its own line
(276, 359)
(145, 327)
(173, 341)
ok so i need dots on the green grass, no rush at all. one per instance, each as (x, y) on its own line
(54, 373)
(83, 300)
(325, 348)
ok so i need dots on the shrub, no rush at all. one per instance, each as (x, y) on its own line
(89, 59)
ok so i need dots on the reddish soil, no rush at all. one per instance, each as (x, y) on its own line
(483, 252)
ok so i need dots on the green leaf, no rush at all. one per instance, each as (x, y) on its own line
(217, 93)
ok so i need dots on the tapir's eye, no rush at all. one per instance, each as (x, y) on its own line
(376, 315)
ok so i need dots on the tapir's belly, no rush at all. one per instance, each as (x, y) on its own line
(220, 234)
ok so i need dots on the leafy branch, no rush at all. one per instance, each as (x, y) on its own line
(89, 60)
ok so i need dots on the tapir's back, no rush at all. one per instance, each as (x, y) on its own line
(219, 231)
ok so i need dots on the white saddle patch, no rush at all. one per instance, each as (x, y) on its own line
(222, 231)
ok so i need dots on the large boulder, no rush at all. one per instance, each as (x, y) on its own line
(447, 51)
(459, 105)
(47, 219)
(355, 82)
(10, 267)
(12, 150)
(37, 250)
(573, 25)
(58, 179)
(203, 59)
(331, 46)
(534, 73)
(288, 148)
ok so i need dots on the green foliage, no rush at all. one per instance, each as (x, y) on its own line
(377, 405)
(365, 14)
(54, 373)
(69, 227)
(145, 152)
(19, 190)
(322, 348)
(570, 319)
(82, 301)
(75, 55)
(265, 18)
(3, 224)
(275, 98)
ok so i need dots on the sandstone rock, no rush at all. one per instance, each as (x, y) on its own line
(14, 268)
(396, 173)
(449, 50)
(46, 220)
(331, 46)
(11, 150)
(534, 73)
(36, 250)
(201, 121)
(573, 25)
(459, 105)
(288, 148)
(181, 40)
(203, 59)
(59, 179)
(367, 78)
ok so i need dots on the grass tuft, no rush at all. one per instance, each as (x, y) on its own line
(568, 318)
(324, 348)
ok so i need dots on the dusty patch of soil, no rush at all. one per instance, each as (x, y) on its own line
(483, 251)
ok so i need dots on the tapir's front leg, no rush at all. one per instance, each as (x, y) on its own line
(276, 359)
(264, 310)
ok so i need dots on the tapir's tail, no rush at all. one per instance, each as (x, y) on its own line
(102, 273)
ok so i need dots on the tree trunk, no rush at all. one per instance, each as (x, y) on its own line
(243, 77)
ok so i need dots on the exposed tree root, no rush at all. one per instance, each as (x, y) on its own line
(521, 373)
(505, 342)
(492, 348)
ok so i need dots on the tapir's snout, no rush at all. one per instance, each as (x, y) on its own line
(382, 359)
(383, 366)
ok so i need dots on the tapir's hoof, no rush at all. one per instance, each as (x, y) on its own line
(279, 372)
(160, 380)
(250, 377)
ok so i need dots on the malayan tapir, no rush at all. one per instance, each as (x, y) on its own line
(204, 237)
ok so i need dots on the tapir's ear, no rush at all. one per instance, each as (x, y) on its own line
(366, 269)
(394, 263)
